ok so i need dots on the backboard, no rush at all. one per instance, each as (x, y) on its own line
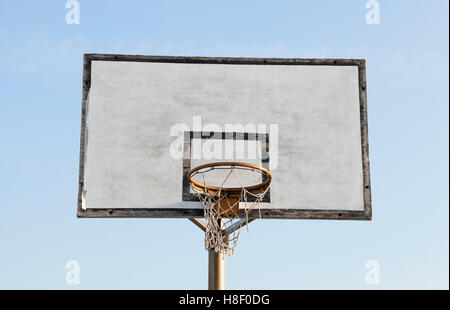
(148, 120)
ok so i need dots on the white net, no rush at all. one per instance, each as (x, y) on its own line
(226, 208)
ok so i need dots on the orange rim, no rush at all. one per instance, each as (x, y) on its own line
(261, 185)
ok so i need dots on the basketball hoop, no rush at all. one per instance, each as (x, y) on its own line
(227, 206)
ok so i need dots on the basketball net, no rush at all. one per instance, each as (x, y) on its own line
(226, 210)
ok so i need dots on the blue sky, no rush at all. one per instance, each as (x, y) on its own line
(407, 74)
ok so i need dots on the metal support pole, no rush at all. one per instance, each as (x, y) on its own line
(216, 266)
(216, 270)
(216, 261)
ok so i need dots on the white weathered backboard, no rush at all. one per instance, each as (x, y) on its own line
(147, 120)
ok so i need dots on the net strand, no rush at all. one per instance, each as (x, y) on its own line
(220, 211)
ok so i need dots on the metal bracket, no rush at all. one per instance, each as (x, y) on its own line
(228, 230)
(239, 224)
(200, 224)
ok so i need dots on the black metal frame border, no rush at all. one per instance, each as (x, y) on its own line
(366, 214)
